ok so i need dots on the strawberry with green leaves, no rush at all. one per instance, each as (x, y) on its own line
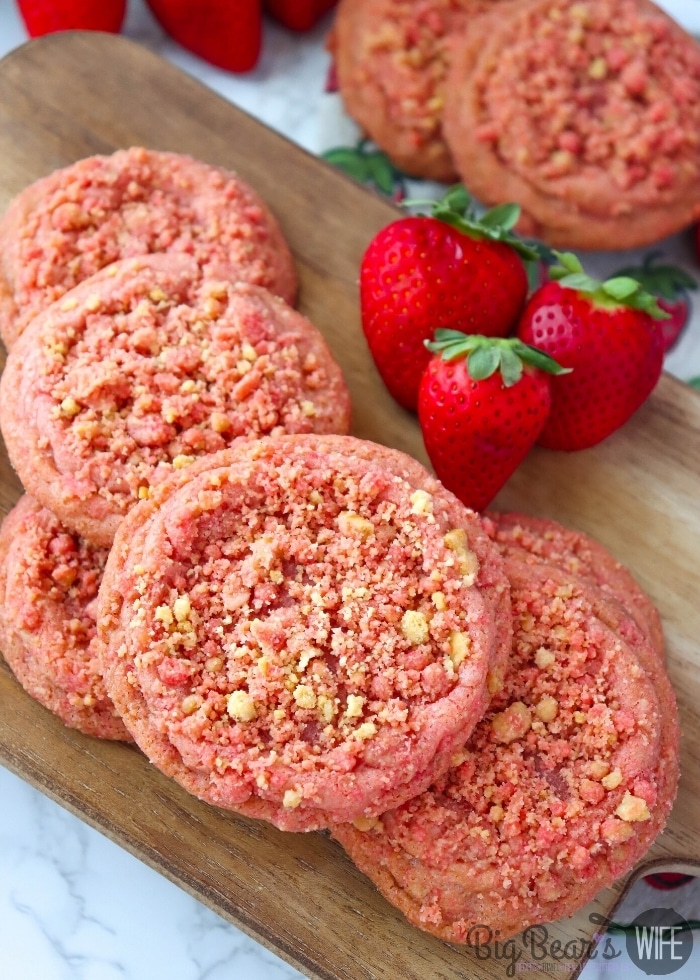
(609, 334)
(482, 403)
(670, 285)
(444, 270)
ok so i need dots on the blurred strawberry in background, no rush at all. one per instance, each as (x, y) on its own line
(298, 15)
(670, 285)
(48, 16)
(225, 33)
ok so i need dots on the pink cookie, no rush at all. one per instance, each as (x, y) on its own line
(144, 367)
(585, 114)
(296, 634)
(561, 789)
(391, 59)
(65, 227)
(48, 589)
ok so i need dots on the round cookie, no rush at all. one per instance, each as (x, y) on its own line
(49, 580)
(70, 224)
(541, 539)
(391, 59)
(146, 366)
(585, 114)
(295, 634)
(561, 789)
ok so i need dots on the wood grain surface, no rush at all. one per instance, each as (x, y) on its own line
(69, 95)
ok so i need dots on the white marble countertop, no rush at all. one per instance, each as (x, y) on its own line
(73, 905)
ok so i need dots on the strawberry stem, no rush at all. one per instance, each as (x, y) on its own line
(486, 355)
(456, 208)
(621, 290)
(661, 280)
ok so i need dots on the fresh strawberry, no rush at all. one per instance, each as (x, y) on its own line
(447, 269)
(609, 334)
(670, 285)
(225, 33)
(298, 15)
(482, 403)
(47, 16)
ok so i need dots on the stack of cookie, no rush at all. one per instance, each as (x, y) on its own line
(301, 626)
(145, 301)
(586, 114)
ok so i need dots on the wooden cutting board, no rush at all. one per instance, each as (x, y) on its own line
(70, 95)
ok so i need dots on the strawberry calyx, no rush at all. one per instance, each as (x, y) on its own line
(661, 279)
(456, 208)
(486, 355)
(621, 290)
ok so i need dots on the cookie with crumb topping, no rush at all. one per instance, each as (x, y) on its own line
(146, 366)
(391, 59)
(297, 634)
(49, 580)
(586, 114)
(561, 789)
(544, 540)
(70, 224)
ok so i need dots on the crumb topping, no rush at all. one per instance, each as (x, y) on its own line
(411, 41)
(413, 44)
(154, 379)
(135, 203)
(52, 584)
(624, 100)
(561, 769)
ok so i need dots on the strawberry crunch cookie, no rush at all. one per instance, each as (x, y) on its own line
(543, 540)
(48, 595)
(561, 789)
(586, 114)
(75, 221)
(146, 366)
(391, 59)
(297, 634)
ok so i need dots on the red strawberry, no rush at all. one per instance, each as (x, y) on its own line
(47, 16)
(608, 333)
(670, 285)
(482, 403)
(444, 270)
(298, 15)
(223, 33)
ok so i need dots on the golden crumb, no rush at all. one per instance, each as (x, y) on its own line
(421, 502)
(415, 626)
(633, 809)
(355, 525)
(292, 798)
(512, 723)
(241, 706)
